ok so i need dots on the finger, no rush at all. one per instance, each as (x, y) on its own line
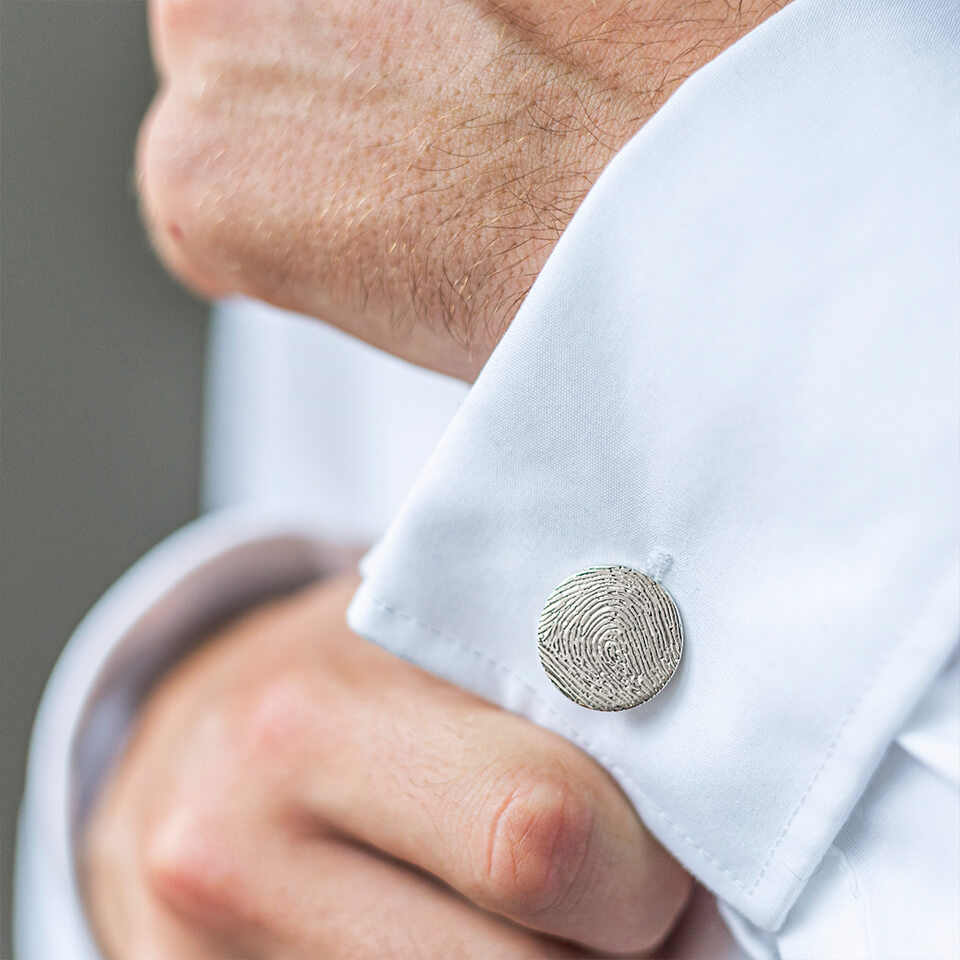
(701, 933)
(316, 897)
(130, 870)
(514, 817)
(216, 884)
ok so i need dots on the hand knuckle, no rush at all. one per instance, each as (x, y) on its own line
(189, 866)
(274, 727)
(183, 176)
(537, 833)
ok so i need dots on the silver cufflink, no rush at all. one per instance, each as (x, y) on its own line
(610, 638)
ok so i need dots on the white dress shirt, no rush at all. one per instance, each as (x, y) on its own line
(738, 372)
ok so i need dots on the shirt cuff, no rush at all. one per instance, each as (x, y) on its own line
(202, 575)
(735, 363)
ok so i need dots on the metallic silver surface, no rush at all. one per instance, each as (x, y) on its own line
(610, 638)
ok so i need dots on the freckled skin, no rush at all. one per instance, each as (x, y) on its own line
(401, 170)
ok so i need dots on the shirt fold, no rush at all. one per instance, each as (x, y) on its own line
(738, 370)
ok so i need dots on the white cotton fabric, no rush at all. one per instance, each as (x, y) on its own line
(298, 412)
(741, 359)
(216, 567)
(313, 440)
(742, 356)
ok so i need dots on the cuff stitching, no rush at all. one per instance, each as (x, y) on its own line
(614, 767)
(571, 733)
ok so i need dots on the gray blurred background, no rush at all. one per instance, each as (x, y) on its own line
(101, 355)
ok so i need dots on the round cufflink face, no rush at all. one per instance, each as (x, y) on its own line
(610, 638)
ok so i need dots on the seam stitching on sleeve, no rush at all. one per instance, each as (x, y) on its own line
(831, 749)
(628, 778)
(570, 732)
(838, 735)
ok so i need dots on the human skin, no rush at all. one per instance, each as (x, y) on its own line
(400, 169)
(294, 791)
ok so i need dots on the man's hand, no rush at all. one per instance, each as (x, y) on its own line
(294, 791)
(400, 169)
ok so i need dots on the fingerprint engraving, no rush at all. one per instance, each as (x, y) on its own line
(610, 638)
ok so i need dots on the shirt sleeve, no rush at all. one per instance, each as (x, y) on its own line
(738, 371)
(202, 575)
